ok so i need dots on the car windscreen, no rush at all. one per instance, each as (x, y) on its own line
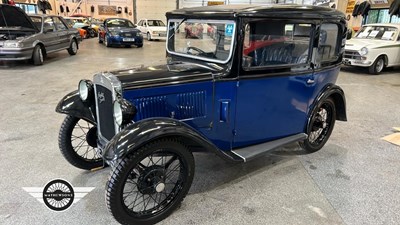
(210, 40)
(377, 32)
(120, 23)
(14, 17)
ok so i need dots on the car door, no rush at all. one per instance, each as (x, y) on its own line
(140, 26)
(62, 33)
(50, 38)
(276, 82)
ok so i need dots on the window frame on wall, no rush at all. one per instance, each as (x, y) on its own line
(27, 6)
(380, 12)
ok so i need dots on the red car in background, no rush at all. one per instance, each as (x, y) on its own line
(194, 30)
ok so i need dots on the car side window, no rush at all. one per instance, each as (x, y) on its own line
(48, 25)
(276, 43)
(328, 42)
(59, 24)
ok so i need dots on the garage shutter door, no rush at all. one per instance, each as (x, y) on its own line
(154, 9)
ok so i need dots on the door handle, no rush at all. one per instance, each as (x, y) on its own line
(224, 111)
(310, 81)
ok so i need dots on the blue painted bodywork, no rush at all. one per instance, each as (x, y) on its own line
(236, 113)
(118, 40)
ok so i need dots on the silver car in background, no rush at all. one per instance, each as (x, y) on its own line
(32, 37)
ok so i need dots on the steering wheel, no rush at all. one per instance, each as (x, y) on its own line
(196, 49)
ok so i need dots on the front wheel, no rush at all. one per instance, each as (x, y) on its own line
(37, 56)
(320, 126)
(149, 37)
(378, 66)
(78, 143)
(149, 184)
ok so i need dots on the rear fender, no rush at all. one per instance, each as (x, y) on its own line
(337, 94)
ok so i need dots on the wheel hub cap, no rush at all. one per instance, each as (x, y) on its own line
(151, 180)
(160, 187)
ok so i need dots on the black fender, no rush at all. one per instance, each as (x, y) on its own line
(337, 94)
(72, 104)
(144, 131)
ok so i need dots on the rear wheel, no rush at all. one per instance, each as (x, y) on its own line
(320, 126)
(378, 66)
(100, 41)
(73, 47)
(149, 184)
(78, 143)
(37, 56)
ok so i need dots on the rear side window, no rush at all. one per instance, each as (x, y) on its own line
(272, 43)
(60, 25)
(328, 41)
(48, 24)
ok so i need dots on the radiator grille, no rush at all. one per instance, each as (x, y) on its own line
(348, 54)
(104, 102)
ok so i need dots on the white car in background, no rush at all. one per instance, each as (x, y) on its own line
(375, 46)
(152, 29)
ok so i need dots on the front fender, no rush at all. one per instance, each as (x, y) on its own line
(72, 104)
(138, 134)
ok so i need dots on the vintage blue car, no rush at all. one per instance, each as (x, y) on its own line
(265, 80)
(121, 32)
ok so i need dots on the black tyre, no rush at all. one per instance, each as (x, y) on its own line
(92, 33)
(149, 184)
(139, 45)
(77, 141)
(320, 126)
(378, 66)
(37, 56)
(149, 37)
(106, 43)
(73, 47)
(100, 41)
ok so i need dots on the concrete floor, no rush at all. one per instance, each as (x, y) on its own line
(354, 179)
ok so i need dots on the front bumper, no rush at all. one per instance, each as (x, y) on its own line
(355, 62)
(118, 40)
(8, 54)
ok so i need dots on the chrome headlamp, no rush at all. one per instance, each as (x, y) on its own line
(123, 111)
(364, 51)
(13, 44)
(85, 89)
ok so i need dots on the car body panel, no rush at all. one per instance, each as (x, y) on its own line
(52, 41)
(390, 49)
(156, 32)
(229, 106)
(120, 35)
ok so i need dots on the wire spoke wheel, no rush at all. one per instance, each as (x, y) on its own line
(146, 186)
(320, 126)
(78, 143)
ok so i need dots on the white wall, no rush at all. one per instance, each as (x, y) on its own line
(154, 9)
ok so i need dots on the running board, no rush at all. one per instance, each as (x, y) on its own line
(251, 152)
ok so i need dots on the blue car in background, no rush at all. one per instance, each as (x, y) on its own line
(119, 31)
(265, 79)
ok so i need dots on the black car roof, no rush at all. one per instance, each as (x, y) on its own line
(273, 10)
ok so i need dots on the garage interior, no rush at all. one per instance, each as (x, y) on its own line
(352, 180)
